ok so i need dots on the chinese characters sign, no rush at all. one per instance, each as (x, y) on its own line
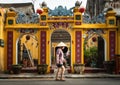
(43, 48)
(112, 41)
(78, 48)
(9, 49)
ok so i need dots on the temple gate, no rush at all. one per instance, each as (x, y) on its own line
(35, 39)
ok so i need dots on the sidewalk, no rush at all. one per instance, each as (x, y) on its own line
(52, 76)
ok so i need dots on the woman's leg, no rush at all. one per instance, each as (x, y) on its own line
(57, 73)
(62, 72)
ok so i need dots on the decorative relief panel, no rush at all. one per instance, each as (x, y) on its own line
(58, 25)
(27, 30)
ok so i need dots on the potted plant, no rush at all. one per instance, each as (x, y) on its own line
(91, 55)
(51, 70)
(16, 69)
(69, 70)
(79, 68)
(42, 68)
(109, 66)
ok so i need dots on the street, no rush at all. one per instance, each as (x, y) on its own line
(81, 81)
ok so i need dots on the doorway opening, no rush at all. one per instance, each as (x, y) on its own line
(60, 36)
(94, 51)
(27, 52)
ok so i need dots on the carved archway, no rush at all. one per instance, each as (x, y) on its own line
(24, 50)
(94, 48)
(57, 36)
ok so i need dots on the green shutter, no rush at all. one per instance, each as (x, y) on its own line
(10, 21)
(111, 22)
(78, 17)
(43, 17)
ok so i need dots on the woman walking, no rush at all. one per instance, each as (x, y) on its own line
(60, 60)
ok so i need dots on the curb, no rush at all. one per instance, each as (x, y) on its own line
(52, 76)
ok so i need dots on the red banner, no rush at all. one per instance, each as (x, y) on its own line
(9, 49)
(112, 42)
(78, 51)
(43, 47)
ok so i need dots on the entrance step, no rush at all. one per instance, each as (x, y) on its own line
(66, 70)
(29, 70)
(87, 70)
(94, 70)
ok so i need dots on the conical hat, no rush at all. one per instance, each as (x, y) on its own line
(61, 44)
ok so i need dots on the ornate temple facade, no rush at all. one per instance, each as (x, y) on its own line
(31, 39)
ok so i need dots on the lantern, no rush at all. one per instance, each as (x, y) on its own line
(40, 11)
(82, 10)
(27, 37)
(94, 39)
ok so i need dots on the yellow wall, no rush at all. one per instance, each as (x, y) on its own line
(31, 45)
(1, 37)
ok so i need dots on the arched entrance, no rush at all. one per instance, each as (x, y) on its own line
(94, 50)
(27, 51)
(58, 36)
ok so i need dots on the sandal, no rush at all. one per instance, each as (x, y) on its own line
(57, 79)
(62, 79)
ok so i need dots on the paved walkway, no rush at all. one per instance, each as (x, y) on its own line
(52, 76)
(35, 75)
